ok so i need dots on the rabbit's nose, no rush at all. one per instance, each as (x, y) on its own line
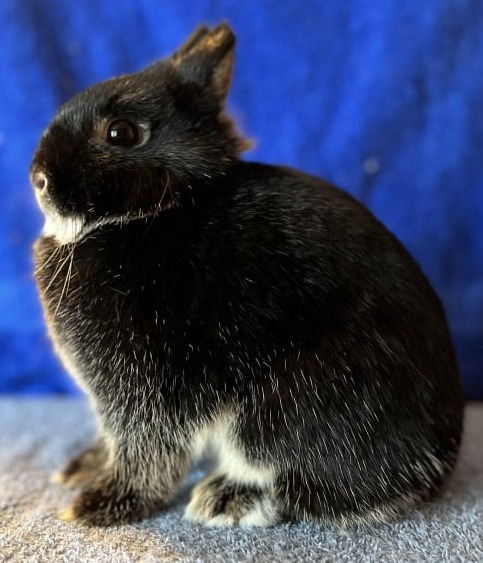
(39, 181)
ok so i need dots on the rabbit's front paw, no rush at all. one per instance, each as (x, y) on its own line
(104, 503)
(217, 501)
(83, 469)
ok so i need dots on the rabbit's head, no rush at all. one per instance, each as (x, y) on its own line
(129, 146)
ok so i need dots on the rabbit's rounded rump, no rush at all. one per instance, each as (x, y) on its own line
(210, 304)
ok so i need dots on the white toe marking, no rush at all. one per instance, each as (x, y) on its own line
(221, 520)
(264, 513)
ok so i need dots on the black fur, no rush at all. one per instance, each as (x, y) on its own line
(236, 287)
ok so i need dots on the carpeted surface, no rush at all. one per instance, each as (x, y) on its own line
(37, 437)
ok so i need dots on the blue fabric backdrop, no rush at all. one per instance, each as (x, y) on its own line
(382, 97)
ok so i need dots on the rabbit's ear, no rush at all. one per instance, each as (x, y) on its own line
(200, 32)
(206, 59)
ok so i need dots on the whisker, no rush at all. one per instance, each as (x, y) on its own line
(65, 287)
(62, 263)
(55, 253)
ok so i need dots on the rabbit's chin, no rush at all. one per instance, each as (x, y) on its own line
(70, 229)
(73, 228)
(65, 230)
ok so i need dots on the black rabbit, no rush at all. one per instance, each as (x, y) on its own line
(206, 302)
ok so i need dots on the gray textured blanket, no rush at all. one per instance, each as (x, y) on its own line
(37, 437)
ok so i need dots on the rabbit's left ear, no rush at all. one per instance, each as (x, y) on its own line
(206, 59)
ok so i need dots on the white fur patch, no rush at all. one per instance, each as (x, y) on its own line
(219, 437)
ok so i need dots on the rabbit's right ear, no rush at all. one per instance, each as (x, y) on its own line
(206, 59)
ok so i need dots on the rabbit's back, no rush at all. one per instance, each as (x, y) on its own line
(351, 382)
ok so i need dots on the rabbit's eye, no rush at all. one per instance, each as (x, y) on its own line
(123, 133)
